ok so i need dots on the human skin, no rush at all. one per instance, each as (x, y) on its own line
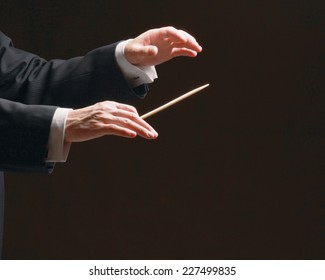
(150, 48)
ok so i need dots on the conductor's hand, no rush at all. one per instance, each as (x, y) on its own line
(156, 46)
(106, 118)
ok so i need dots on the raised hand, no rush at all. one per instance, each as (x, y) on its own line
(159, 45)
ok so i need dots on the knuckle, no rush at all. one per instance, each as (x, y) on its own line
(98, 125)
(126, 121)
(99, 107)
(111, 127)
(134, 109)
(133, 116)
(131, 108)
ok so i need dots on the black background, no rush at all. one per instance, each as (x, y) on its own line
(237, 171)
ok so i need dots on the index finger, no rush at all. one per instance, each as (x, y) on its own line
(174, 35)
(128, 108)
(191, 41)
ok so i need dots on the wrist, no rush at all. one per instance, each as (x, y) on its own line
(134, 75)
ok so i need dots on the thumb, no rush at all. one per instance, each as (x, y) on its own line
(149, 50)
(135, 52)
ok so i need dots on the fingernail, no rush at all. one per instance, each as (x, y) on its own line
(155, 133)
(150, 134)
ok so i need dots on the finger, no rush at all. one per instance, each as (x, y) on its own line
(126, 107)
(191, 41)
(113, 129)
(193, 46)
(132, 125)
(135, 118)
(149, 50)
(142, 51)
(128, 115)
(172, 34)
(180, 36)
(183, 52)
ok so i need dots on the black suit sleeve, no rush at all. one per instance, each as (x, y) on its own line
(24, 136)
(28, 83)
(76, 82)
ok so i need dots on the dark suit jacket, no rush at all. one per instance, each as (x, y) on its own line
(32, 88)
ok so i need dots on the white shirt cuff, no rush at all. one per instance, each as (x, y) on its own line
(135, 76)
(58, 149)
